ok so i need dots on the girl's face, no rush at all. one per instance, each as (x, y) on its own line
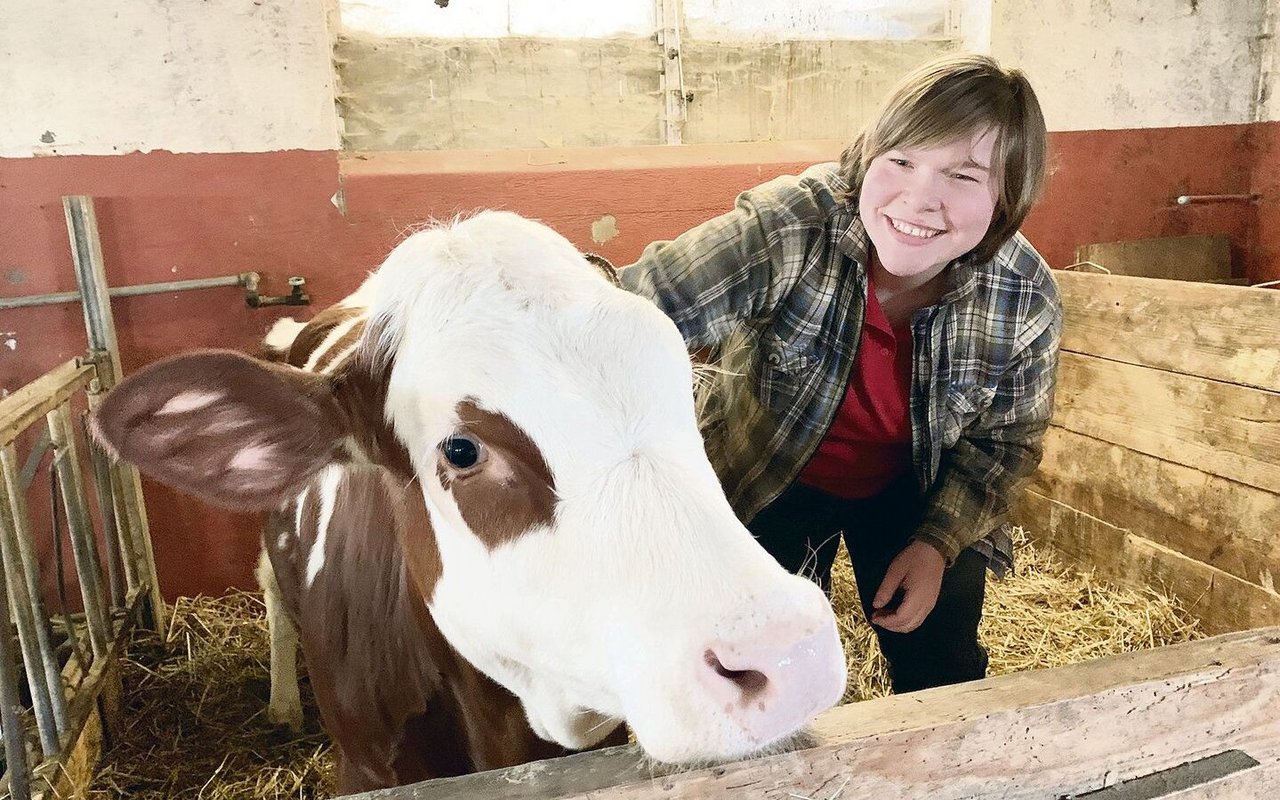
(924, 207)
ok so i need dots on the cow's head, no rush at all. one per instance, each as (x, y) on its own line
(580, 549)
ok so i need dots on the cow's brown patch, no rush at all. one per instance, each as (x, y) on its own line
(399, 702)
(511, 493)
(313, 335)
(343, 345)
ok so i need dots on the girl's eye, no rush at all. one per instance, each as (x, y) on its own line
(462, 452)
(901, 162)
(960, 176)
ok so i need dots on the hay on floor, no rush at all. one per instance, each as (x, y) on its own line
(194, 723)
(1044, 614)
(195, 710)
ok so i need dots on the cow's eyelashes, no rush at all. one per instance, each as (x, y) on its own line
(463, 453)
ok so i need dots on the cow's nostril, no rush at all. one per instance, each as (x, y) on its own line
(749, 681)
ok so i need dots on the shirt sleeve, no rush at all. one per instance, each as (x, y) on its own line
(977, 476)
(731, 268)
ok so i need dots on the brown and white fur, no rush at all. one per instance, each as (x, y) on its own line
(491, 518)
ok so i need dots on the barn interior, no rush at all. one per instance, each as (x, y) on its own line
(236, 162)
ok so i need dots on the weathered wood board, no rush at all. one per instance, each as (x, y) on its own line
(1048, 733)
(1179, 258)
(1224, 333)
(1221, 601)
(1228, 430)
(1228, 525)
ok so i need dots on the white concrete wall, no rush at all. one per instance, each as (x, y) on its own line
(1136, 63)
(491, 19)
(710, 20)
(81, 77)
(807, 20)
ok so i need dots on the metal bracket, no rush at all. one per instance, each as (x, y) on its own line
(297, 295)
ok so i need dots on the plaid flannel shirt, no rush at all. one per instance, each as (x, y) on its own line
(776, 291)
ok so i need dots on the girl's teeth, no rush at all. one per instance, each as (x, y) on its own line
(912, 230)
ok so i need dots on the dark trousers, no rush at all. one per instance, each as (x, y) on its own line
(801, 529)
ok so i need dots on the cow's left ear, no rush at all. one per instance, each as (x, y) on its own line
(234, 431)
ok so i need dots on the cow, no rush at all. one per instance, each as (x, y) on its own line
(491, 517)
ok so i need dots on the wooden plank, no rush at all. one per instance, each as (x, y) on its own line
(1221, 428)
(29, 404)
(1220, 600)
(1045, 733)
(1226, 333)
(1225, 524)
(1179, 258)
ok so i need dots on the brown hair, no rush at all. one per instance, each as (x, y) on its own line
(952, 97)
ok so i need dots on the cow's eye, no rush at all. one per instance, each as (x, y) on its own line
(462, 452)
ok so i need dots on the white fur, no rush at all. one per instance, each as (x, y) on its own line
(285, 706)
(282, 333)
(329, 481)
(189, 401)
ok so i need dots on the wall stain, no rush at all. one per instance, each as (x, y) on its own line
(604, 229)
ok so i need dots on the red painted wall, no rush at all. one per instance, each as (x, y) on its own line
(167, 217)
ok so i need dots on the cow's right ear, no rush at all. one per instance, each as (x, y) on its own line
(237, 432)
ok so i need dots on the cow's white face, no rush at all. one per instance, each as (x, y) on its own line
(587, 557)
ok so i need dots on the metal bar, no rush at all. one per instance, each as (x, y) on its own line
(15, 745)
(54, 298)
(84, 545)
(130, 553)
(105, 495)
(91, 277)
(26, 406)
(1188, 199)
(22, 606)
(39, 450)
(671, 79)
(31, 570)
(131, 485)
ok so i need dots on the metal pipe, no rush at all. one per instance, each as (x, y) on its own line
(1188, 199)
(9, 485)
(105, 496)
(84, 545)
(119, 539)
(22, 609)
(15, 745)
(241, 279)
(91, 277)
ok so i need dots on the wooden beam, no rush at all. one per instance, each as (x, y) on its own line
(1220, 600)
(1221, 428)
(1225, 333)
(1180, 258)
(1037, 734)
(1220, 522)
(30, 403)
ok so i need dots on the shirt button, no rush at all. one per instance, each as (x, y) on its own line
(884, 351)
(774, 359)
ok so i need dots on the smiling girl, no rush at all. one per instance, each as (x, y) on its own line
(888, 343)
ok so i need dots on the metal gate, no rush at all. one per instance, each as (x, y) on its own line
(57, 669)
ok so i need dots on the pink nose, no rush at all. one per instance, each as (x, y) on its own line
(775, 681)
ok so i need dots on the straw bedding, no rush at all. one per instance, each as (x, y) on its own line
(194, 704)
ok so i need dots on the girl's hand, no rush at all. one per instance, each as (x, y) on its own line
(913, 580)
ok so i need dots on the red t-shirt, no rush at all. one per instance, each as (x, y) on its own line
(869, 444)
